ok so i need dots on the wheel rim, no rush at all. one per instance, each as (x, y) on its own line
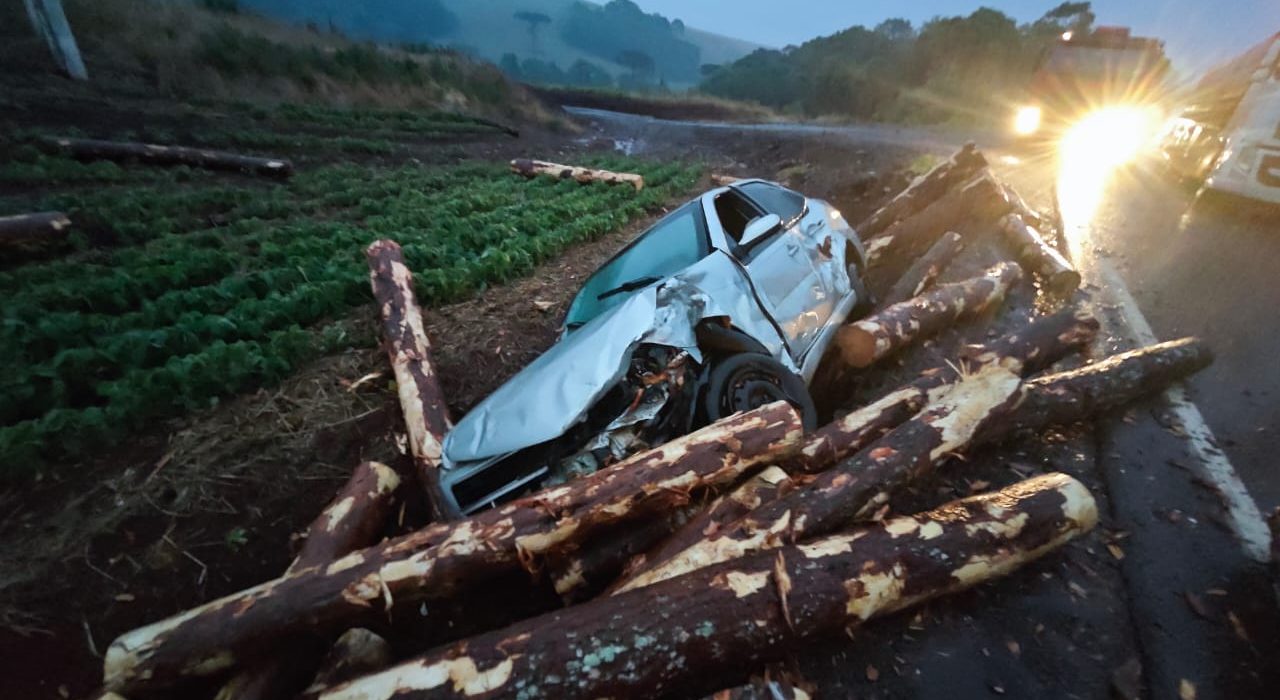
(752, 389)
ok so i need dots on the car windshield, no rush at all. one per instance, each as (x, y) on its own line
(674, 243)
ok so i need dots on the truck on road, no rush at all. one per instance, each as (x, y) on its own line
(1228, 133)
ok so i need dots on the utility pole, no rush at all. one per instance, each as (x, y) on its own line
(51, 23)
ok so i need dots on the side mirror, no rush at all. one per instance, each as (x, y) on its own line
(760, 228)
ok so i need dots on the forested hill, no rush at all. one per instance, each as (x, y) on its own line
(948, 69)
(546, 41)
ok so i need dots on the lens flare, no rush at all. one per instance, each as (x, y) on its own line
(1026, 121)
(1089, 155)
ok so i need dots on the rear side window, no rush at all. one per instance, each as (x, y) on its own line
(786, 204)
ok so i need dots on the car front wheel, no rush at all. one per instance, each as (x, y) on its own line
(747, 381)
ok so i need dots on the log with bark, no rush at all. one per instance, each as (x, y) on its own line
(951, 422)
(1038, 257)
(1025, 350)
(925, 271)
(356, 653)
(443, 559)
(426, 415)
(153, 154)
(353, 520)
(533, 168)
(39, 227)
(969, 209)
(691, 634)
(924, 190)
(884, 332)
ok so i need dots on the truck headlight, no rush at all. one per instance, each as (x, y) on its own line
(1027, 120)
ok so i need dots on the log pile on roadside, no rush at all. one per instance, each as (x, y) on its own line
(689, 567)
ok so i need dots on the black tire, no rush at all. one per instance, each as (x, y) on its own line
(748, 380)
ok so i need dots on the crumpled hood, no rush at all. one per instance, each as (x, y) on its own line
(556, 390)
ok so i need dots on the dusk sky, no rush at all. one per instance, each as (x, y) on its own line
(1197, 32)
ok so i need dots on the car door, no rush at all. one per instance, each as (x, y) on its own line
(780, 268)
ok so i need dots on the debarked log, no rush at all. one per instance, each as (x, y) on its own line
(153, 154)
(686, 635)
(39, 227)
(925, 189)
(353, 519)
(1038, 257)
(856, 486)
(884, 332)
(533, 168)
(925, 271)
(426, 415)
(444, 559)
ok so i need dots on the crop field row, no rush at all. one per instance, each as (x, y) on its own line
(212, 288)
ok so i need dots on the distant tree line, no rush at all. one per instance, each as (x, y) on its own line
(948, 68)
(407, 21)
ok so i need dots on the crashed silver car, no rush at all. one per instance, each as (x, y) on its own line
(724, 305)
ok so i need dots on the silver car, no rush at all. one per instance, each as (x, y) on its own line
(724, 305)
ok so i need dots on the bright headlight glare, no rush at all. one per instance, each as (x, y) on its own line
(1114, 135)
(1027, 120)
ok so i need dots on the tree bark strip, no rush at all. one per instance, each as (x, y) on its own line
(1038, 257)
(533, 168)
(42, 226)
(687, 635)
(426, 415)
(582, 574)
(357, 652)
(887, 331)
(352, 520)
(153, 154)
(857, 485)
(925, 190)
(445, 558)
(925, 271)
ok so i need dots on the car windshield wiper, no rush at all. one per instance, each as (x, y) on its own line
(628, 287)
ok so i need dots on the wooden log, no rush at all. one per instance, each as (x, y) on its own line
(884, 332)
(582, 574)
(1026, 350)
(1038, 257)
(925, 190)
(964, 209)
(533, 168)
(863, 482)
(353, 519)
(768, 485)
(153, 154)
(1075, 395)
(723, 180)
(685, 636)
(854, 488)
(357, 652)
(404, 334)
(443, 559)
(43, 226)
(925, 271)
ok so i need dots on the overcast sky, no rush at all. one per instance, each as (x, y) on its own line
(1197, 32)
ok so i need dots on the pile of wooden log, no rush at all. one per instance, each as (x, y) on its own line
(686, 568)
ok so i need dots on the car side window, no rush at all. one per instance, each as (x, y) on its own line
(735, 213)
(674, 243)
(788, 205)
